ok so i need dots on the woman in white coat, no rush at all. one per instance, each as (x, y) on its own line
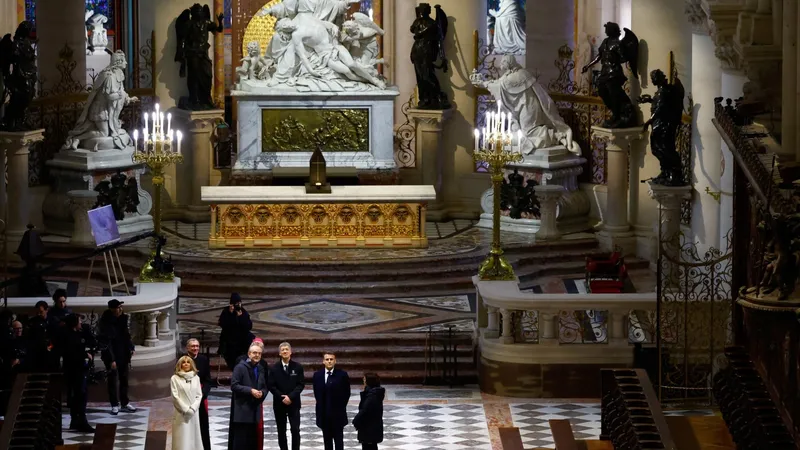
(186, 396)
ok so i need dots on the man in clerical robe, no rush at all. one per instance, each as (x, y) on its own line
(532, 110)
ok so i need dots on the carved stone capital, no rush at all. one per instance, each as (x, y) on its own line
(430, 119)
(697, 17)
(200, 121)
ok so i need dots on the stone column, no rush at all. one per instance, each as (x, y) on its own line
(789, 80)
(493, 326)
(151, 340)
(706, 142)
(60, 23)
(81, 201)
(669, 199)
(507, 335)
(616, 229)
(732, 83)
(16, 148)
(430, 157)
(195, 171)
(548, 195)
(164, 332)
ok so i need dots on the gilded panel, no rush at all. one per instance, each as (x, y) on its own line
(300, 130)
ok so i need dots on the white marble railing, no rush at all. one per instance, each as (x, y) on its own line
(152, 317)
(529, 328)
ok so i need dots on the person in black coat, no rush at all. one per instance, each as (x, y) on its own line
(118, 349)
(235, 337)
(369, 420)
(332, 392)
(286, 382)
(73, 347)
(39, 342)
(204, 372)
(248, 391)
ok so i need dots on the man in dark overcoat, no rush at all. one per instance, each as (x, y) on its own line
(332, 392)
(248, 391)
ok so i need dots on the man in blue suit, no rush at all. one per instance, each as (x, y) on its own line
(332, 392)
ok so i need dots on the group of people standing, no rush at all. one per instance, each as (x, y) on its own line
(253, 380)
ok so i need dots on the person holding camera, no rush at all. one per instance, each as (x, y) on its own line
(235, 337)
(75, 341)
(117, 352)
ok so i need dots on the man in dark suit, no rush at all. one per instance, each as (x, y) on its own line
(248, 392)
(115, 337)
(286, 382)
(204, 372)
(332, 392)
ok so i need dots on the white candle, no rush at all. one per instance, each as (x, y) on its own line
(135, 140)
(180, 135)
(503, 122)
(477, 138)
(161, 125)
(519, 141)
(169, 122)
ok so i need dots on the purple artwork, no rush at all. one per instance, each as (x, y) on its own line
(103, 225)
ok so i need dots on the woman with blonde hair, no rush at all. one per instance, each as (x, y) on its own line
(186, 397)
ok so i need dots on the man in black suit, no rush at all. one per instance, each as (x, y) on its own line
(204, 372)
(332, 392)
(286, 382)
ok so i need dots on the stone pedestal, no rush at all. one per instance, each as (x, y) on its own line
(16, 147)
(198, 157)
(79, 203)
(430, 155)
(616, 230)
(668, 228)
(549, 196)
(83, 170)
(553, 166)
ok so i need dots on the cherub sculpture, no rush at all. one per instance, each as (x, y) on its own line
(360, 38)
(18, 65)
(665, 118)
(254, 66)
(428, 48)
(192, 28)
(610, 82)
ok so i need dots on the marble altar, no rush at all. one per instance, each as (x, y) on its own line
(286, 216)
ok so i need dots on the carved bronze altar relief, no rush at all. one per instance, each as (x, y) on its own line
(292, 130)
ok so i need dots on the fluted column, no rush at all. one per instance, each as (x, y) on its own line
(706, 141)
(16, 148)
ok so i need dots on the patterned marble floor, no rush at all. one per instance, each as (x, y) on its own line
(415, 418)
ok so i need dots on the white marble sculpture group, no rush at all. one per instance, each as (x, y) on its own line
(314, 50)
(97, 42)
(532, 109)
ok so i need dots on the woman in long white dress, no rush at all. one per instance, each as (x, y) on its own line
(186, 397)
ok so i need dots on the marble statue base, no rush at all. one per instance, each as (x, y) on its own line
(546, 166)
(82, 170)
(253, 160)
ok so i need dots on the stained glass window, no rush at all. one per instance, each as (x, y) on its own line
(228, 7)
(366, 5)
(30, 11)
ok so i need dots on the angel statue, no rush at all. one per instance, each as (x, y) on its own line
(18, 65)
(192, 28)
(532, 109)
(98, 126)
(665, 118)
(254, 66)
(428, 48)
(614, 52)
(360, 38)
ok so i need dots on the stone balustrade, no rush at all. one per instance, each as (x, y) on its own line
(528, 328)
(152, 310)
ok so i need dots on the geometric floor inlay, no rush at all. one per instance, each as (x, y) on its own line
(451, 302)
(131, 427)
(329, 316)
(461, 326)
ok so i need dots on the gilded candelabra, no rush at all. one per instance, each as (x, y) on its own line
(158, 152)
(495, 149)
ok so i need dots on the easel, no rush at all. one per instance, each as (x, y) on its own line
(116, 264)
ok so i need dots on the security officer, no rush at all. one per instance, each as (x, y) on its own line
(75, 341)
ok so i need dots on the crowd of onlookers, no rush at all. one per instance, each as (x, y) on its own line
(53, 339)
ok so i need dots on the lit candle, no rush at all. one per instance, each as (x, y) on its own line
(180, 135)
(145, 123)
(370, 14)
(161, 126)
(477, 138)
(135, 140)
(519, 141)
(503, 122)
(169, 122)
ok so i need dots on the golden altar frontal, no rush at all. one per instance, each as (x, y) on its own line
(286, 216)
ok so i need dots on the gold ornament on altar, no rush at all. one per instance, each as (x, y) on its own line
(495, 148)
(260, 29)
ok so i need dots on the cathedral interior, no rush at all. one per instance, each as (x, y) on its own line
(543, 223)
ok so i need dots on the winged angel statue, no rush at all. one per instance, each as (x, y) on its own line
(610, 82)
(314, 49)
(192, 28)
(18, 64)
